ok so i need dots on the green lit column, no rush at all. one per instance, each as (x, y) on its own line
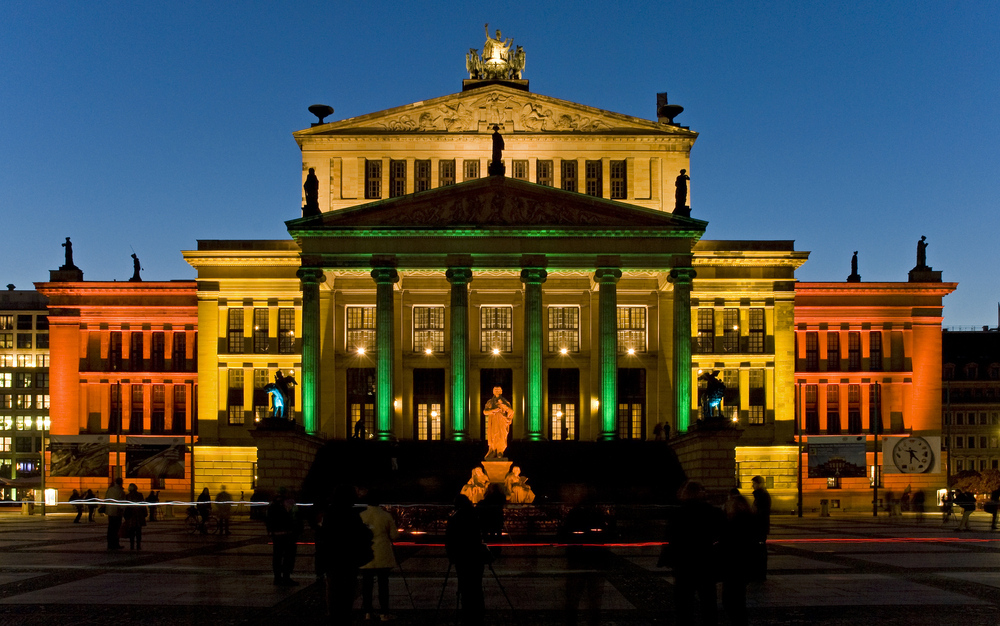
(311, 278)
(385, 278)
(533, 277)
(681, 277)
(607, 338)
(459, 277)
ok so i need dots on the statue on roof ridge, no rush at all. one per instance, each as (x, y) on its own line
(498, 61)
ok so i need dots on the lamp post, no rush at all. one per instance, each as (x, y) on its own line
(876, 474)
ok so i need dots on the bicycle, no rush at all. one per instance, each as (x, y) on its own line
(194, 524)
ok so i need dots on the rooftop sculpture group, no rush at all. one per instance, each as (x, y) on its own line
(497, 62)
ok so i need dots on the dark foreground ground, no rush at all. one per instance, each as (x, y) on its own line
(847, 570)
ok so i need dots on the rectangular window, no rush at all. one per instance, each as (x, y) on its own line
(261, 399)
(875, 351)
(428, 421)
(470, 169)
(41, 380)
(6, 322)
(833, 351)
(25, 360)
(756, 397)
(6, 402)
(157, 411)
(136, 410)
(875, 409)
(706, 331)
(568, 169)
(360, 328)
(854, 352)
(520, 170)
(972, 442)
(812, 409)
(631, 403)
(564, 329)
(235, 331)
(115, 409)
(731, 400)
(619, 185)
(428, 329)
(235, 397)
(157, 348)
(23, 422)
(812, 352)
(730, 330)
(6, 340)
(563, 422)
(24, 322)
(23, 444)
(42, 322)
(5, 444)
(495, 330)
(397, 178)
(23, 401)
(23, 380)
(42, 360)
(543, 173)
(854, 409)
(421, 175)
(446, 172)
(178, 422)
(833, 409)
(24, 341)
(179, 352)
(42, 340)
(5, 379)
(756, 332)
(373, 180)
(595, 178)
(286, 331)
(42, 401)
(631, 329)
(261, 330)
(982, 442)
(7, 360)
(135, 362)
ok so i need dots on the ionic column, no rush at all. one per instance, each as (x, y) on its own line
(681, 277)
(459, 277)
(385, 278)
(607, 358)
(533, 277)
(311, 278)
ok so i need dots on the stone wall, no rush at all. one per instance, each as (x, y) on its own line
(709, 456)
(284, 457)
(216, 466)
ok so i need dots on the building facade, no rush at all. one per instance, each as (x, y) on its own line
(971, 399)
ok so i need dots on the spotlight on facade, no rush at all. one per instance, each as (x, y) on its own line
(434, 413)
(428, 351)
(496, 351)
(558, 413)
(563, 351)
(631, 351)
(361, 351)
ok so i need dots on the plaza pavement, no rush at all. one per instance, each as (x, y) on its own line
(842, 570)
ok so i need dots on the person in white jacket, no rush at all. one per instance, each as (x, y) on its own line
(384, 531)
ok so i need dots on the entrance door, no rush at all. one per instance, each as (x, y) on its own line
(428, 402)
(361, 400)
(632, 403)
(564, 403)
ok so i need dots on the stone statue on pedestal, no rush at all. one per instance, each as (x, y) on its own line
(311, 188)
(475, 489)
(922, 254)
(497, 167)
(499, 415)
(681, 194)
(854, 277)
(136, 268)
(68, 265)
(516, 487)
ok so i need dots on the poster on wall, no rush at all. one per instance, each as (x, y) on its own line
(911, 455)
(837, 456)
(79, 455)
(154, 457)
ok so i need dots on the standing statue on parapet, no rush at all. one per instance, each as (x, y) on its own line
(285, 384)
(681, 195)
(922, 253)
(497, 167)
(69, 255)
(715, 391)
(495, 50)
(854, 277)
(311, 188)
(517, 63)
(499, 415)
(136, 268)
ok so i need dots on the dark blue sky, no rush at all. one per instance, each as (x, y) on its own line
(842, 127)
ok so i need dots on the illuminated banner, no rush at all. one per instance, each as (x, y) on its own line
(837, 457)
(79, 455)
(911, 455)
(154, 457)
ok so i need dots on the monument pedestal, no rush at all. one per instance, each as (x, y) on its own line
(497, 469)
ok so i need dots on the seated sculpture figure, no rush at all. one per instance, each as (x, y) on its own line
(516, 487)
(475, 489)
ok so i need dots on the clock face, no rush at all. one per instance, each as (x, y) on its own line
(913, 455)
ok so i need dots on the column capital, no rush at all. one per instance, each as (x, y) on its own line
(682, 275)
(312, 275)
(385, 275)
(533, 275)
(607, 275)
(459, 275)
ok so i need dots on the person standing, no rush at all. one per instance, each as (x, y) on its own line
(114, 512)
(692, 533)
(75, 499)
(762, 519)
(993, 507)
(204, 509)
(90, 496)
(223, 509)
(384, 532)
(343, 544)
(739, 551)
(135, 515)
(283, 526)
(463, 542)
(967, 501)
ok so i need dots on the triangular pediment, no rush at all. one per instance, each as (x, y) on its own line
(477, 110)
(497, 203)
